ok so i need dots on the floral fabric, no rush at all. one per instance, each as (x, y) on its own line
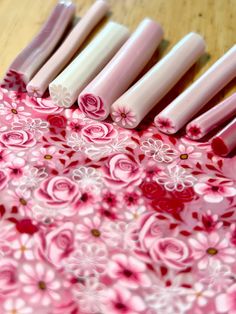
(99, 219)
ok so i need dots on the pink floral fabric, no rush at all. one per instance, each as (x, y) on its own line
(99, 219)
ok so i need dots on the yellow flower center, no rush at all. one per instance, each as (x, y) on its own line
(212, 251)
(23, 201)
(48, 157)
(42, 285)
(23, 248)
(96, 233)
(14, 111)
(183, 156)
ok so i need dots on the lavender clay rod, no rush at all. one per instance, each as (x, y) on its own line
(130, 109)
(38, 85)
(96, 99)
(36, 53)
(65, 89)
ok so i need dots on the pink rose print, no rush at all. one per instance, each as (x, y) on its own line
(8, 277)
(150, 230)
(99, 133)
(92, 106)
(43, 105)
(122, 170)
(122, 301)
(172, 252)
(152, 190)
(40, 284)
(208, 248)
(226, 302)
(57, 244)
(125, 116)
(129, 271)
(215, 192)
(3, 179)
(165, 125)
(58, 192)
(17, 139)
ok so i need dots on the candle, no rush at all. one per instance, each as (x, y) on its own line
(129, 110)
(225, 141)
(121, 71)
(186, 105)
(38, 85)
(36, 53)
(65, 89)
(211, 119)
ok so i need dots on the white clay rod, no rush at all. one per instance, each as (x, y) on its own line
(96, 99)
(38, 85)
(193, 99)
(130, 109)
(36, 53)
(65, 89)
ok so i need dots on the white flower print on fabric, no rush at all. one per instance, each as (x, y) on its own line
(168, 300)
(23, 247)
(211, 247)
(97, 231)
(76, 142)
(40, 284)
(159, 151)
(16, 306)
(87, 260)
(88, 178)
(33, 176)
(199, 294)
(118, 145)
(11, 111)
(175, 178)
(217, 276)
(91, 295)
(35, 126)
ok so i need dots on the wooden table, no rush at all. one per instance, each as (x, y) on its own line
(214, 19)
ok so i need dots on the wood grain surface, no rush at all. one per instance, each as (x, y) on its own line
(214, 19)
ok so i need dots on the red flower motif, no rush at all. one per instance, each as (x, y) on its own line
(57, 121)
(152, 190)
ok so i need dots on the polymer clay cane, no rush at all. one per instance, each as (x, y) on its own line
(130, 109)
(27, 63)
(212, 118)
(65, 89)
(96, 99)
(225, 141)
(38, 85)
(186, 105)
